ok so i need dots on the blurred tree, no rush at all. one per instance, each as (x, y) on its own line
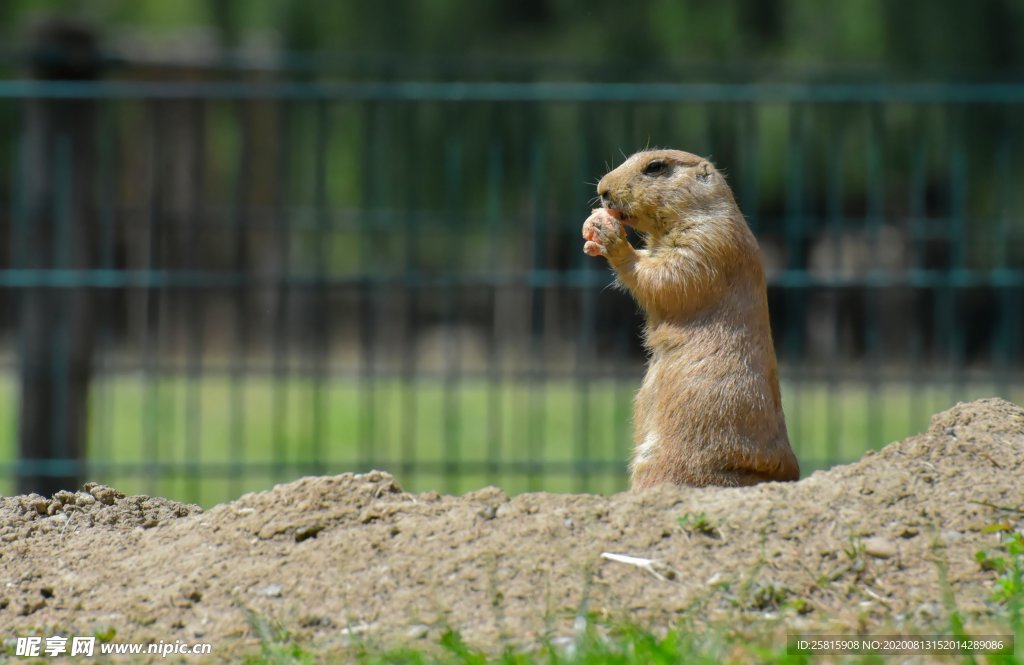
(666, 39)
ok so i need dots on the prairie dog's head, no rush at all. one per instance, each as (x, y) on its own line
(654, 190)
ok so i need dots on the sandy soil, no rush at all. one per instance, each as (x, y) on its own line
(336, 560)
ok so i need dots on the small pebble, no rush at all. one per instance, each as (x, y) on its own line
(880, 548)
(951, 536)
(355, 629)
(417, 631)
(271, 591)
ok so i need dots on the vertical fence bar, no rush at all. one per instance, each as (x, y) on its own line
(321, 314)
(194, 307)
(942, 304)
(495, 186)
(874, 177)
(283, 233)
(793, 227)
(585, 331)
(453, 223)
(149, 328)
(835, 223)
(103, 403)
(1002, 346)
(1015, 261)
(19, 260)
(60, 359)
(958, 232)
(239, 218)
(919, 239)
(412, 232)
(411, 381)
(372, 207)
(535, 400)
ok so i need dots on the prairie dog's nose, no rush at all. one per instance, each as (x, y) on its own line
(604, 194)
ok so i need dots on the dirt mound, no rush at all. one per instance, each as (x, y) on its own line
(353, 557)
(95, 504)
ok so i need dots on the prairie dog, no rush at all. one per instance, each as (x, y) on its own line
(709, 410)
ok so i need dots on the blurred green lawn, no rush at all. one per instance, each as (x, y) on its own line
(209, 439)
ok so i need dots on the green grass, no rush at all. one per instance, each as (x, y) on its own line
(596, 645)
(626, 644)
(186, 439)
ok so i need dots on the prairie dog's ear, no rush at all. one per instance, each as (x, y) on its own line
(704, 171)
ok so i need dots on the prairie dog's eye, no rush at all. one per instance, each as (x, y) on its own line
(657, 167)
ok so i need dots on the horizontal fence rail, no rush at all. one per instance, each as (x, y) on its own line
(208, 287)
(948, 93)
(182, 279)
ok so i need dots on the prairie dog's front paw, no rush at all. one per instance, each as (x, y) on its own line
(604, 234)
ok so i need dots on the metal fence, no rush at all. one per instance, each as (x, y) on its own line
(224, 285)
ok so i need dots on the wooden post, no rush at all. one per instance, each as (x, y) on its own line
(57, 234)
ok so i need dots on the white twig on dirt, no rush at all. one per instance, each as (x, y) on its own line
(877, 597)
(67, 520)
(356, 628)
(656, 568)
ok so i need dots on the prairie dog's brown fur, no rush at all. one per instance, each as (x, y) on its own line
(709, 411)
